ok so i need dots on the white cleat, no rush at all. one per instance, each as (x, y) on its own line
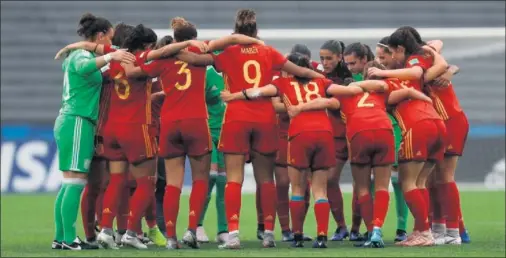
(172, 244)
(451, 240)
(117, 238)
(221, 238)
(268, 241)
(106, 241)
(233, 242)
(439, 238)
(190, 239)
(132, 241)
(201, 235)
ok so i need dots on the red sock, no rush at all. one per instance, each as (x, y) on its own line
(111, 199)
(269, 204)
(99, 204)
(150, 215)
(233, 205)
(144, 191)
(298, 215)
(416, 204)
(426, 199)
(198, 197)
(171, 209)
(123, 209)
(258, 203)
(87, 213)
(452, 205)
(321, 212)
(307, 198)
(366, 210)
(381, 201)
(336, 204)
(283, 208)
(356, 218)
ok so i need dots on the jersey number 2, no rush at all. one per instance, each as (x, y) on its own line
(361, 102)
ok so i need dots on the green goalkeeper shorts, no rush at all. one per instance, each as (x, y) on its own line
(74, 137)
(217, 156)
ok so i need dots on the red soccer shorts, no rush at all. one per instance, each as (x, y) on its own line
(373, 147)
(457, 128)
(185, 137)
(132, 142)
(425, 141)
(311, 150)
(341, 149)
(238, 137)
(281, 157)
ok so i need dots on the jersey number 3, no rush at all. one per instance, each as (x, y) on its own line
(184, 70)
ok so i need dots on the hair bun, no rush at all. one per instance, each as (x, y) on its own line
(86, 19)
(177, 22)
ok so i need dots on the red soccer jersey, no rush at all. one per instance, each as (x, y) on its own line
(283, 123)
(409, 112)
(244, 67)
(445, 101)
(156, 106)
(184, 87)
(105, 97)
(293, 94)
(365, 111)
(425, 62)
(130, 99)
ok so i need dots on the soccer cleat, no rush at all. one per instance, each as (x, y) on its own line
(233, 242)
(201, 235)
(117, 238)
(340, 234)
(439, 238)
(93, 243)
(268, 240)
(447, 239)
(377, 238)
(260, 234)
(221, 237)
(56, 245)
(410, 237)
(190, 239)
(464, 236)
(400, 235)
(78, 245)
(357, 237)
(298, 241)
(321, 242)
(287, 236)
(133, 241)
(106, 240)
(173, 244)
(366, 242)
(155, 235)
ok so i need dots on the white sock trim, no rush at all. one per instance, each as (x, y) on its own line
(74, 181)
(213, 173)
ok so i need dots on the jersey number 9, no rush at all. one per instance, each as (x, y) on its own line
(247, 76)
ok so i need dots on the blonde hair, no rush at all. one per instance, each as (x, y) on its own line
(183, 29)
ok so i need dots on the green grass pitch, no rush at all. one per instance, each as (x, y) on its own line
(27, 230)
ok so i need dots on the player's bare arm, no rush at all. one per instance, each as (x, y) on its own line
(397, 96)
(436, 45)
(278, 105)
(174, 48)
(445, 78)
(88, 65)
(339, 90)
(86, 45)
(296, 70)
(222, 43)
(371, 85)
(411, 73)
(250, 94)
(195, 59)
(315, 104)
(439, 67)
(132, 71)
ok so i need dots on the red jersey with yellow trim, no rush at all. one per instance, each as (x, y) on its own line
(130, 98)
(184, 87)
(105, 98)
(445, 100)
(245, 67)
(316, 66)
(293, 93)
(366, 111)
(283, 123)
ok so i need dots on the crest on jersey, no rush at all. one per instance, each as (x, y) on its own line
(414, 61)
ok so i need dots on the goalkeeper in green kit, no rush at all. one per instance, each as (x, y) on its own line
(215, 109)
(74, 128)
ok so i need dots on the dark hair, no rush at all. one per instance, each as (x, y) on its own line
(301, 49)
(121, 32)
(383, 43)
(301, 61)
(90, 26)
(404, 38)
(337, 47)
(369, 65)
(139, 38)
(246, 22)
(183, 29)
(415, 34)
(360, 50)
(166, 40)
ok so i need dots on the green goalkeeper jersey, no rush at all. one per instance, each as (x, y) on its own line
(82, 83)
(215, 106)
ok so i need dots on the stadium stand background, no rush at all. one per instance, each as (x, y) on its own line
(32, 32)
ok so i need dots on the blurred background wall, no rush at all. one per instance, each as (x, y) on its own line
(31, 81)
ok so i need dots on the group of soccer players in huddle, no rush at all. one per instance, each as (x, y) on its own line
(393, 114)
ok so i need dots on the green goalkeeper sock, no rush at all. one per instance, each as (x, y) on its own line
(58, 222)
(212, 181)
(221, 181)
(400, 205)
(70, 208)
